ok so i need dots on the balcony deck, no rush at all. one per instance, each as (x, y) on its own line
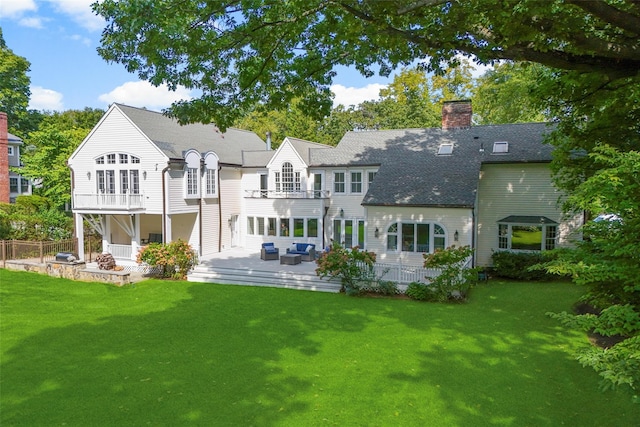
(271, 194)
(111, 201)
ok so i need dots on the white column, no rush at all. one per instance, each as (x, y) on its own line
(80, 235)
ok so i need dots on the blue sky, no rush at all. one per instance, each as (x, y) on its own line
(59, 38)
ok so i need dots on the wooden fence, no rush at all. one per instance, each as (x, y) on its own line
(43, 251)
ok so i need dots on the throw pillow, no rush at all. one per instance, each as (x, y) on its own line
(293, 247)
(309, 248)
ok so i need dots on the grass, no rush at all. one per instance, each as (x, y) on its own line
(179, 353)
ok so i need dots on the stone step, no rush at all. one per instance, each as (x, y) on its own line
(280, 279)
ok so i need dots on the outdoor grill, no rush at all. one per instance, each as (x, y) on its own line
(66, 257)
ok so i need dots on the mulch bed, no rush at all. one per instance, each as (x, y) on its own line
(595, 338)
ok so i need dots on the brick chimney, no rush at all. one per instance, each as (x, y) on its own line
(456, 114)
(4, 159)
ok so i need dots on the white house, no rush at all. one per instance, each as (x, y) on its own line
(404, 193)
(139, 176)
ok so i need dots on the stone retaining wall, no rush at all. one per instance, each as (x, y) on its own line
(77, 271)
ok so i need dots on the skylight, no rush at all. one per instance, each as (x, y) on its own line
(445, 149)
(500, 147)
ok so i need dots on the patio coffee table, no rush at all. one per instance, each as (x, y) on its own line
(290, 259)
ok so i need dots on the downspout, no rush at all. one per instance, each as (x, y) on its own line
(200, 210)
(219, 211)
(164, 201)
(326, 209)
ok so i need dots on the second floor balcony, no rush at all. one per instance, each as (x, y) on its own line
(302, 194)
(111, 201)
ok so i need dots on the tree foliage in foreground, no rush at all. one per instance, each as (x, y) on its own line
(241, 53)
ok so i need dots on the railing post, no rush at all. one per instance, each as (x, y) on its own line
(41, 251)
(4, 253)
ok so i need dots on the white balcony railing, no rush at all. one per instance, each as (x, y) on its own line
(108, 201)
(270, 194)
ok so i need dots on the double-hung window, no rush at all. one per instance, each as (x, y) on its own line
(339, 182)
(356, 182)
(192, 182)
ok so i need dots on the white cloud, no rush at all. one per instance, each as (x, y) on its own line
(32, 22)
(355, 95)
(84, 40)
(15, 8)
(45, 99)
(144, 94)
(80, 11)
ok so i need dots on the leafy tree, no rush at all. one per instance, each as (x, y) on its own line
(453, 83)
(508, 94)
(14, 87)
(33, 218)
(240, 53)
(291, 121)
(407, 102)
(49, 148)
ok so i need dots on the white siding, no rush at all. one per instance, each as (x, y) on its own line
(210, 226)
(517, 189)
(231, 201)
(116, 134)
(451, 219)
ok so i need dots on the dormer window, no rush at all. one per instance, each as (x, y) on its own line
(445, 149)
(192, 175)
(500, 147)
(210, 174)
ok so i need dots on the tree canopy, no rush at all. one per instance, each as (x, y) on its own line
(14, 86)
(242, 52)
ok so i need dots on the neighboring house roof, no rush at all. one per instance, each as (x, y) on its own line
(174, 139)
(412, 173)
(14, 140)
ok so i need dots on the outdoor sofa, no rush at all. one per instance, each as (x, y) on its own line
(306, 250)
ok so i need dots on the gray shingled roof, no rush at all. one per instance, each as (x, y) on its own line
(174, 139)
(304, 147)
(411, 173)
(14, 140)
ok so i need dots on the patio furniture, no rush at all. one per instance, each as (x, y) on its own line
(269, 252)
(153, 238)
(290, 259)
(306, 250)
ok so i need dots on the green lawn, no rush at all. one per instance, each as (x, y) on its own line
(179, 353)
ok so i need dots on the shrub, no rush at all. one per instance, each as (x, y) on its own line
(454, 280)
(521, 265)
(175, 259)
(418, 291)
(352, 266)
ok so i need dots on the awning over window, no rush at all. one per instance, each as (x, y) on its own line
(527, 219)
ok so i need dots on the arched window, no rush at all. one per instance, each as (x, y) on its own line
(116, 174)
(287, 177)
(415, 237)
